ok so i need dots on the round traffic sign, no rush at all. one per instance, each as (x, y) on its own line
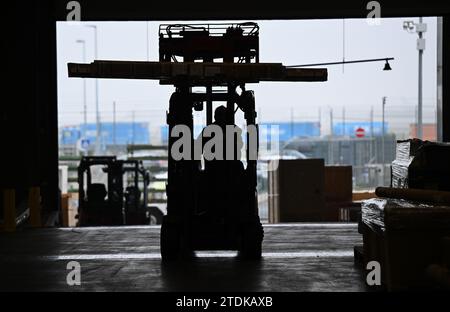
(360, 132)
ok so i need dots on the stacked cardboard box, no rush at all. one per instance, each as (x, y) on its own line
(296, 190)
(306, 190)
(405, 153)
(69, 208)
(338, 184)
(338, 193)
(405, 238)
(422, 165)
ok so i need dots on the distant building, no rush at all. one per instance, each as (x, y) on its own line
(349, 128)
(429, 131)
(165, 133)
(120, 133)
(288, 130)
(267, 131)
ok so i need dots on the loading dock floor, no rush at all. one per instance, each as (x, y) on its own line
(296, 257)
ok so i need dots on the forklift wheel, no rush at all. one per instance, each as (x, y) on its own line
(155, 215)
(170, 241)
(251, 241)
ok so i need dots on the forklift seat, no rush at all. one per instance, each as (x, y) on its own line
(217, 181)
(133, 191)
(132, 197)
(96, 192)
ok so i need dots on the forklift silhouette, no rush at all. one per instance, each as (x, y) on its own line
(111, 204)
(216, 207)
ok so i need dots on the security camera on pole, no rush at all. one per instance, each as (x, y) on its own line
(419, 28)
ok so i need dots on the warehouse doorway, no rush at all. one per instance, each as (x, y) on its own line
(355, 131)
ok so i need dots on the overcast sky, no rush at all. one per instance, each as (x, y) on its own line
(357, 88)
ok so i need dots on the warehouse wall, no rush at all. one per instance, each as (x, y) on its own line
(30, 108)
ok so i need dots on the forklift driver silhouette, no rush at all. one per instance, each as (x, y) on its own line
(223, 175)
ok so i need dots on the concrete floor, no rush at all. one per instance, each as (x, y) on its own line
(301, 257)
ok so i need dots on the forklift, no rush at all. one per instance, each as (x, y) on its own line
(215, 207)
(111, 204)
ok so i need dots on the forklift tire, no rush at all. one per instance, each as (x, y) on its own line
(170, 241)
(155, 215)
(250, 247)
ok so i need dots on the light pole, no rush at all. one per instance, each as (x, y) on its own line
(147, 42)
(97, 112)
(114, 123)
(371, 122)
(83, 45)
(343, 122)
(383, 130)
(419, 28)
(133, 129)
(331, 145)
(421, 48)
(292, 122)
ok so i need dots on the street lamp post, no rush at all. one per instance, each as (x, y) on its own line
(83, 44)
(331, 145)
(419, 28)
(383, 159)
(114, 124)
(97, 112)
(420, 47)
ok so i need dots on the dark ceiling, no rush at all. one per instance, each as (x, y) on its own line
(139, 10)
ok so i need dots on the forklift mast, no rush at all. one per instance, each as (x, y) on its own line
(209, 43)
(205, 43)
